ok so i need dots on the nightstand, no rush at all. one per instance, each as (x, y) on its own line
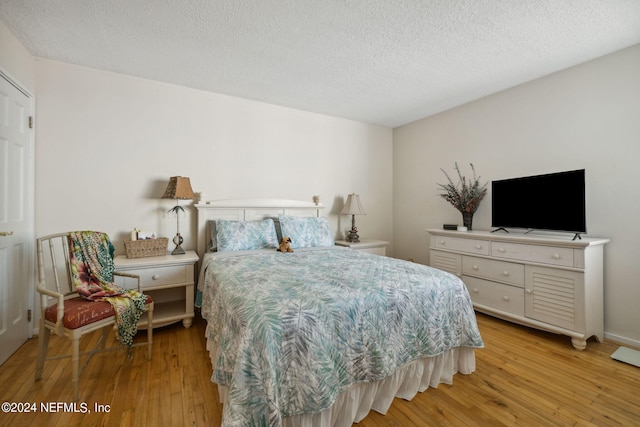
(169, 279)
(377, 247)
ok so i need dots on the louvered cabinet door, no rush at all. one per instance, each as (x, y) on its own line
(446, 261)
(555, 297)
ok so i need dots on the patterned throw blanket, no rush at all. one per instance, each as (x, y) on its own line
(91, 259)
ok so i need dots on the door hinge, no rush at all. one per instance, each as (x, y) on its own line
(30, 122)
(29, 315)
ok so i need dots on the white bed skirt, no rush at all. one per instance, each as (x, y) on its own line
(355, 403)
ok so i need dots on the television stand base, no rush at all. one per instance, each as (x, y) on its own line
(500, 228)
(577, 236)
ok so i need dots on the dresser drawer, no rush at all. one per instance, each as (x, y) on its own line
(501, 271)
(472, 246)
(506, 298)
(533, 253)
(154, 277)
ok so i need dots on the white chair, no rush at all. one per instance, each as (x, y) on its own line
(67, 314)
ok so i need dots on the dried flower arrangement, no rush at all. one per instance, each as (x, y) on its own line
(466, 195)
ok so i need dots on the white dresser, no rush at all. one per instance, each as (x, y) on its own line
(550, 282)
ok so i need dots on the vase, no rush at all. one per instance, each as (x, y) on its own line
(467, 220)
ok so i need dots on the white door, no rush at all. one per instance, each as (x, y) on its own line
(16, 217)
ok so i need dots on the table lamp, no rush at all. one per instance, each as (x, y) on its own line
(353, 207)
(179, 188)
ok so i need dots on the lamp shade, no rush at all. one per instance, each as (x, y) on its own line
(179, 188)
(353, 206)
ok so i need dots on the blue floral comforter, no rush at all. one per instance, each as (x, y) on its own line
(293, 330)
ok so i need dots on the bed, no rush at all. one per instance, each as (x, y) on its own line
(322, 335)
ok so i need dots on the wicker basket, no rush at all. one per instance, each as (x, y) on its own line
(145, 248)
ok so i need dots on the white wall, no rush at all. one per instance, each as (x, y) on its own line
(15, 61)
(108, 143)
(584, 117)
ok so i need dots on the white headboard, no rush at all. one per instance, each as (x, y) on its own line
(248, 210)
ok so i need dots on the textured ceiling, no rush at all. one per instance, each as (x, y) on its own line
(387, 62)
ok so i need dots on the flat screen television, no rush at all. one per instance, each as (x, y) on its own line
(553, 202)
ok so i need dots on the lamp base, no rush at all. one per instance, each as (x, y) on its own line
(177, 240)
(353, 236)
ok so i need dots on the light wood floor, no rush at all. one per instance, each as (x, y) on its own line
(524, 377)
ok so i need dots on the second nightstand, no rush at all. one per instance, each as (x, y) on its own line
(377, 247)
(169, 279)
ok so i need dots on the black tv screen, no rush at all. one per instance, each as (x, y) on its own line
(554, 202)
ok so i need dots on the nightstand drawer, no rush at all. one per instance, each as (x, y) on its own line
(375, 251)
(472, 246)
(533, 253)
(161, 276)
(376, 247)
(500, 271)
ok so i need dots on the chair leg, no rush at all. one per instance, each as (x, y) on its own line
(43, 346)
(149, 331)
(75, 360)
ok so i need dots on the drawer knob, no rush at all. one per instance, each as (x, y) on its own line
(476, 290)
(505, 273)
(528, 291)
(501, 250)
(155, 276)
(556, 256)
(475, 267)
(506, 298)
(442, 242)
(478, 246)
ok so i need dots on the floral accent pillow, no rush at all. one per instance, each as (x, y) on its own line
(245, 235)
(306, 232)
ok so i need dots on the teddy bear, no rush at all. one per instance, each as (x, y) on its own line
(285, 245)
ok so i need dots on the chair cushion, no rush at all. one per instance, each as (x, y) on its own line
(79, 312)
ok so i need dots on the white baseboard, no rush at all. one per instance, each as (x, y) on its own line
(622, 340)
